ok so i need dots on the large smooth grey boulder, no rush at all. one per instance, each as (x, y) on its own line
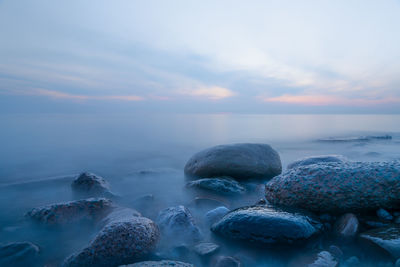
(316, 159)
(91, 209)
(119, 242)
(266, 225)
(338, 187)
(239, 161)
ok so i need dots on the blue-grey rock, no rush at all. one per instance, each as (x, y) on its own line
(397, 263)
(19, 254)
(226, 261)
(320, 259)
(346, 226)
(239, 161)
(91, 209)
(384, 215)
(266, 225)
(206, 203)
(388, 238)
(206, 249)
(177, 224)
(118, 243)
(164, 263)
(119, 214)
(91, 185)
(316, 159)
(215, 214)
(338, 187)
(221, 185)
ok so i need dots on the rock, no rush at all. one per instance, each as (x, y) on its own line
(164, 263)
(384, 215)
(223, 186)
(206, 249)
(321, 259)
(239, 161)
(261, 202)
(118, 243)
(90, 184)
(397, 264)
(226, 261)
(144, 201)
(266, 225)
(177, 224)
(387, 238)
(19, 254)
(338, 187)
(206, 203)
(336, 252)
(215, 214)
(316, 159)
(91, 209)
(119, 214)
(352, 262)
(346, 226)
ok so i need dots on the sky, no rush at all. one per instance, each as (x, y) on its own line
(200, 56)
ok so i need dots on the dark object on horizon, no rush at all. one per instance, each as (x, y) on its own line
(338, 187)
(239, 161)
(356, 138)
(316, 159)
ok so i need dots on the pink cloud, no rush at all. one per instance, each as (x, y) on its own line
(57, 94)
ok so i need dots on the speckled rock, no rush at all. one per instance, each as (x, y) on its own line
(239, 161)
(387, 238)
(90, 209)
(346, 226)
(320, 259)
(222, 185)
(338, 187)
(226, 261)
(215, 214)
(90, 184)
(19, 254)
(316, 159)
(164, 263)
(266, 225)
(206, 249)
(118, 243)
(177, 224)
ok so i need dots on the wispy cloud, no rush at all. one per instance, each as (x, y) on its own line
(211, 92)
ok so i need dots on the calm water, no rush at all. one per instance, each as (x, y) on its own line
(141, 154)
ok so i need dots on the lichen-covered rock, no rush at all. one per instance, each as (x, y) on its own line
(177, 224)
(222, 185)
(346, 226)
(206, 249)
(266, 225)
(338, 187)
(239, 161)
(19, 254)
(90, 209)
(387, 238)
(316, 159)
(90, 184)
(164, 263)
(215, 214)
(120, 242)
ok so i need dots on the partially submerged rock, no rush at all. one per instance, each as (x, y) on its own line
(266, 225)
(118, 243)
(215, 214)
(320, 259)
(206, 249)
(338, 187)
(164, 263)
(119, 214)
(19, 254)
(239, 161)
(384, 215)
(206, 203)
(222, 185)
(91, 184)
(177, 223)
(91, 209)
(346, 226)
(316, 159)
(226, 261)
(387, 238)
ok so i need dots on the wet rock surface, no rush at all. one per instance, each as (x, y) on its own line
(90, 184)
(91, 209)
(320, 259)
(387, 238)
(346, 226)
(206, 249)
(223, 186)
(216, 214)
(19, 254)
(338, 187)
(266, 225)
(316, 159)
(239, 161)
(118, 243)
(177, 223)
(164, 263)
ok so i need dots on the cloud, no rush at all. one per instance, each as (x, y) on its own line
(212, 92)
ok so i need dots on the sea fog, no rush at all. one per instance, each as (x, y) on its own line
(145, 154)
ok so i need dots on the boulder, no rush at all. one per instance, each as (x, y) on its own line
(338, 187)
(206, 249)
(222, 185)
(91, 185)
(346, 226)
(177, 224)
(119, 214)
(239, 161)
(91, 209)
(387, 238)
(316, 159)
(215, 214)
(320, 259)
(119, 242)
(164, 263)
(384, 215)
(266, 225)
(19, 254)
(226, 261)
